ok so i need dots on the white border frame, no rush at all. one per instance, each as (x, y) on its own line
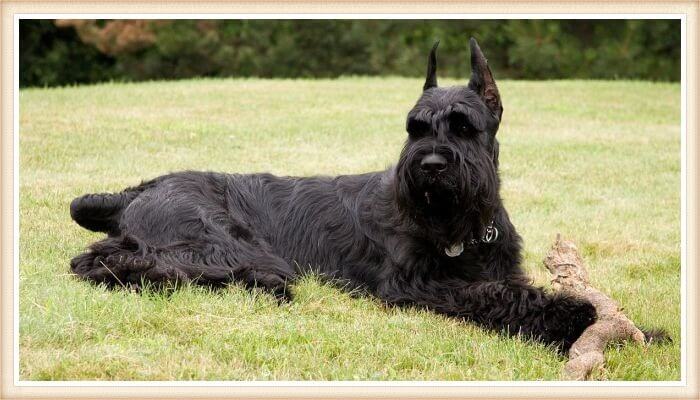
(683, 284)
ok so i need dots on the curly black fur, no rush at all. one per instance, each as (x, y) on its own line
(385, 232)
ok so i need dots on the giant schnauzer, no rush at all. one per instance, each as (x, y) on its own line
(429, 232)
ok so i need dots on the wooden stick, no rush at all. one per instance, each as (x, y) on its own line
(570, 274)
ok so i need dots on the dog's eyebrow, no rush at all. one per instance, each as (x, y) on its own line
(471, 115)
(423, 115)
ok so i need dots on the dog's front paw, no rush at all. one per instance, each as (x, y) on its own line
(566, 318)
(658, 335)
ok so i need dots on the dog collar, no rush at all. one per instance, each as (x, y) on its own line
(490, 236)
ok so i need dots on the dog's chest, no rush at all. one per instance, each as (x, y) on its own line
(472, 263)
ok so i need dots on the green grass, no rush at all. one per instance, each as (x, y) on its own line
(597, 161)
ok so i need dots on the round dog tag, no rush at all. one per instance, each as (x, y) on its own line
(455, 250)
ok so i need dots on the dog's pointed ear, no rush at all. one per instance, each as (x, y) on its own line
(431, 75)
(482, 81)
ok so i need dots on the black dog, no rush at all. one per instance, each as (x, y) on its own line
(430, 232)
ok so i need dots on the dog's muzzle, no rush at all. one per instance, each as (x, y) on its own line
(433, 164)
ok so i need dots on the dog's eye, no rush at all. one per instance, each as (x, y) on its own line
(417, 128)
(461, 126)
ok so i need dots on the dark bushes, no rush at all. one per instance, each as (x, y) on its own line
(66, 52)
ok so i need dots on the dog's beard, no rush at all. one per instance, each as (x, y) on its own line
(448, 208)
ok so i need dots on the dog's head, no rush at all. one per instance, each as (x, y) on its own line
(446, 178)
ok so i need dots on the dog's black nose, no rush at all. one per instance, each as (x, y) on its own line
(433, 163)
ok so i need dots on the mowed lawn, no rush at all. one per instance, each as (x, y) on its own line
(596, 161)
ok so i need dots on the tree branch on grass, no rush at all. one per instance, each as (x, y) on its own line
(570, 274)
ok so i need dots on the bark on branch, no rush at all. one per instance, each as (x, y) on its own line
(570, 274)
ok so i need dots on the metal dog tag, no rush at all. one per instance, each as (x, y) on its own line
(491, 234)
(455, 250)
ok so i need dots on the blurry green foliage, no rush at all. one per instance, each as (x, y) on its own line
(50, 56)
(522, 49)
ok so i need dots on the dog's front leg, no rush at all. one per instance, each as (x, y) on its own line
(510, 305)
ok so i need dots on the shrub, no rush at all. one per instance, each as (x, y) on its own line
(77, 51)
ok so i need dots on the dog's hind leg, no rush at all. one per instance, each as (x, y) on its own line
(250, 262)
(100, 212)
(114, 261)
(126, 261)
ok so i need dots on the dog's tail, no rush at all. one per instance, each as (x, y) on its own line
(101, 212)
